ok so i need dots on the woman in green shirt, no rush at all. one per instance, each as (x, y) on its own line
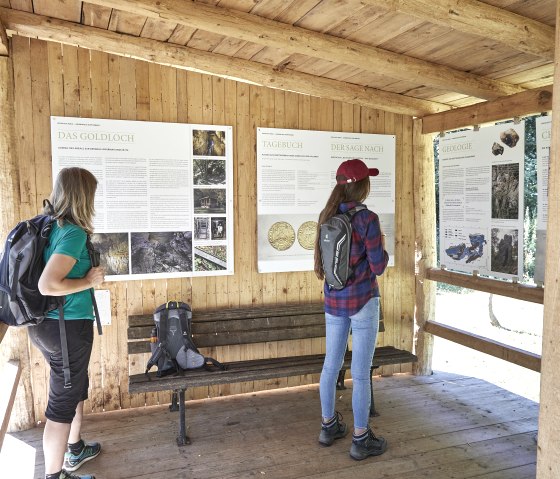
(68, 272)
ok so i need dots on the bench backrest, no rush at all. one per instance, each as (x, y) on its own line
(227, 327)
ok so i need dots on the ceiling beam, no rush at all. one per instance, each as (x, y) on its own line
(478, 18)
(525, 103)
(291, 39)
(45, 28)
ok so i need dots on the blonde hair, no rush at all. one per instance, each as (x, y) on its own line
(73, 198)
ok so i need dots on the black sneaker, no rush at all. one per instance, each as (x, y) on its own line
(368, 445)
(336, 430)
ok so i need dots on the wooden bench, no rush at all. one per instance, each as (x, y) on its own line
(226, 327)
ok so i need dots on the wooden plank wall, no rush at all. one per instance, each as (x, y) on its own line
(52, 79)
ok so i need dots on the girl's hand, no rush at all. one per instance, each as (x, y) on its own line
(96, 276)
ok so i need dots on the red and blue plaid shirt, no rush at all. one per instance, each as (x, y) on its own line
(368, 259)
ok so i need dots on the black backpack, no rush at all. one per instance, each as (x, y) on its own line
(335, 243)
(21, 266)
(171, 342)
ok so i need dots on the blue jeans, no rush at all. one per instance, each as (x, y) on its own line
(364, 325)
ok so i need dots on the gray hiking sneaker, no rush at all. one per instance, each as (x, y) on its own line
(368, 445)
(336, 430)
(72, 462)
(68, 475)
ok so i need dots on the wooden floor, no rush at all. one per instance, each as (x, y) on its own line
(442, 426)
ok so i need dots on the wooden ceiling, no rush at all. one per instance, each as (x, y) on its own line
(409, 56)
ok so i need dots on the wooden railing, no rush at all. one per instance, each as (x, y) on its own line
(485, 345)
(534, 294)
(9, 378)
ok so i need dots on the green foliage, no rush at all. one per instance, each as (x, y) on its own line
(450, 288)
(530, 245)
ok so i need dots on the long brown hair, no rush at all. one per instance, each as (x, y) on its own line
(73, 198)
(357, 191)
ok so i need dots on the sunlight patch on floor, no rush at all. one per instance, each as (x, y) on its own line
(17, 459)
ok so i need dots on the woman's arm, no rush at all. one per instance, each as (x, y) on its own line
(374, 241)
(53, 280)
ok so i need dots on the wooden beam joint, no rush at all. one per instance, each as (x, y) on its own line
(4, 46)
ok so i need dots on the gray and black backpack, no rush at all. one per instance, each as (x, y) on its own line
(172, 346)
(21, 266)
(335, 243)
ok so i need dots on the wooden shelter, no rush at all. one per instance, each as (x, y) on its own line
(407, 68)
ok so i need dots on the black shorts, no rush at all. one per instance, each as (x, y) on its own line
(46, 337)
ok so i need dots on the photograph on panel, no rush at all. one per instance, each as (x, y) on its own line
(202, 228)
(504, 256)
(114, 253)
(505, 191)
(209, 200)
(209, 143)
(210, 258)
(161, 252)
(209, 172)
(219, 228)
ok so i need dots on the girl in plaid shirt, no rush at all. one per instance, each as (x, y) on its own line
(355, 308)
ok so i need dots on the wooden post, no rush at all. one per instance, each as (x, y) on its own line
(14, 345)
(6, 143)
(425, 221)
(548, 466)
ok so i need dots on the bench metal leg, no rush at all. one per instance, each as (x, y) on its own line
(340, 381)
(182, 438)
(174, 406)
(372, 410)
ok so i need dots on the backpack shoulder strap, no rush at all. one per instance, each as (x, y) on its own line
(350, 215)
(352, 211)
(215, 362)
(186, 324)
(94, 258)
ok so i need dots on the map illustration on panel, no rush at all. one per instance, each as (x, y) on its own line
(468, 253)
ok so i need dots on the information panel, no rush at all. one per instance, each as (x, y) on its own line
(481, 176)
(164, 201)
(543, 130)
(295, 175)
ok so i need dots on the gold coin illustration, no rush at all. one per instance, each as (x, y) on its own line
(306, 234)
(281, 235)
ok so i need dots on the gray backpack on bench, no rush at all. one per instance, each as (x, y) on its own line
(171, 342)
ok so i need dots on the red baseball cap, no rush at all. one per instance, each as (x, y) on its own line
(351, 171)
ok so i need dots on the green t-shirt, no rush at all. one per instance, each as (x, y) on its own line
(70, 240)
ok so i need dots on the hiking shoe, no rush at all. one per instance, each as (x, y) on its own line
(67, 475)
(72, 462)
(368, 445)
(336, 430)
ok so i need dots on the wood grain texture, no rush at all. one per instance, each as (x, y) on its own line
(548, 466)
(488, 433)
(425, 234)
(297, 40)
(167, 54)
(68, 80)
(532, 101)
(481, 19)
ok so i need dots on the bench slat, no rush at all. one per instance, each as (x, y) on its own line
(239, 313)
(143, 331)
(257, 370)
(244, 337)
